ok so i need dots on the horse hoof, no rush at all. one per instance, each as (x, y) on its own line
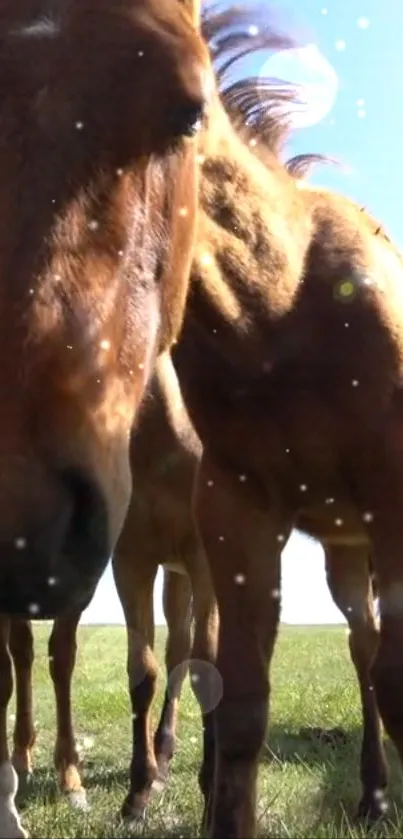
(158, 785)
(132, 813)
(78, 799)
(372, 807)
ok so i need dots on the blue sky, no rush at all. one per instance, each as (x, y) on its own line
(362, 41)
(369, 68)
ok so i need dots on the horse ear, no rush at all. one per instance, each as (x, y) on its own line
(194, 9)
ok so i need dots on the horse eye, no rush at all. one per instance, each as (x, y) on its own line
(187, 119)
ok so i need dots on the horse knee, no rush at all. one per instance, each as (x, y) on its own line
(22, 646)
(62, 655)
(363, 642)
(387, 676)
(142, 671)
(142, 692)
(242, 727)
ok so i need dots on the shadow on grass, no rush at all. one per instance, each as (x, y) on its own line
(336, 753)
(43, 786)
(43, 783)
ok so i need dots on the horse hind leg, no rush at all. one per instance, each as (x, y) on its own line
(10, 824)
(350, 584)
(135, 585)
(62, 658)
(22, 652)
(177, 597)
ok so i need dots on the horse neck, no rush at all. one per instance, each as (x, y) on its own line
(164, 425)
(253, 234)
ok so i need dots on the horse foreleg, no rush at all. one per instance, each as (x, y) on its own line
(350, 585)
(62, 657)
(177, 598)
(205, 679)
(22, 651)
(10, 825)
(135, 585)
(242, 543)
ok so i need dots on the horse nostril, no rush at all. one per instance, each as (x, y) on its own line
(187, 120)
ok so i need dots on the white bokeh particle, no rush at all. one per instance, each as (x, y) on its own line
(206, 259)
(363, 22)
(340, 45)
(240, 579)
(20, 543)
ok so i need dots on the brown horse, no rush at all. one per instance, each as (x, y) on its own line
(290, 361)
(158, 526)
(159, 530)
(99, 103)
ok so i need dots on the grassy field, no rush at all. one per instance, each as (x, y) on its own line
(306, 789)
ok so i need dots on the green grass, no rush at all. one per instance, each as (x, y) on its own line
(305, 789)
